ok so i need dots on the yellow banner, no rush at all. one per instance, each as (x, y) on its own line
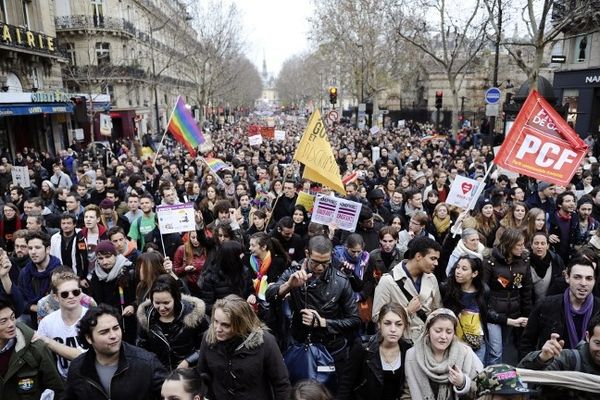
(314, 151)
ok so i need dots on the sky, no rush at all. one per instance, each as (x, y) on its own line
(276, 28)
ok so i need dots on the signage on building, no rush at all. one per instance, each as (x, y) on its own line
(50, 97)
(23, 38)
(592, 79)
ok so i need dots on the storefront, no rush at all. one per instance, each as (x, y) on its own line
(580, 89)
(37, 120)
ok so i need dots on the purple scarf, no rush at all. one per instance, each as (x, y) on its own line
(586, 311)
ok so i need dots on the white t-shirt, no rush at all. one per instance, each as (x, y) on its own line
(53, 326)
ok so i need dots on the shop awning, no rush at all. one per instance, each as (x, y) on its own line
(7, 110)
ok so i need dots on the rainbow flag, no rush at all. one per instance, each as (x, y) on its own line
(215, 164)
(183, 127)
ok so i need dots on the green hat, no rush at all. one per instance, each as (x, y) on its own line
(500, 379)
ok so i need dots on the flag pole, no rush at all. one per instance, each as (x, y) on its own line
(217, 177)
(164, 133)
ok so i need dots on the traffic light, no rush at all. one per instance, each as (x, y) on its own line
(439, 98)
(333, 95)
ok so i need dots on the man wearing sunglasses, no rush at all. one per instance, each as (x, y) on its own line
(59, 328)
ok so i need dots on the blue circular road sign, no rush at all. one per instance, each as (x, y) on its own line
(492, 95)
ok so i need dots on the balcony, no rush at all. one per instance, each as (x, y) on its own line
(89, 22)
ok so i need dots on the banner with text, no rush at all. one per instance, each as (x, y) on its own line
(332, 210)
(178, 218)
(541, 144)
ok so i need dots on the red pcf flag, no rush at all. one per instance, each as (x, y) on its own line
(541, 144)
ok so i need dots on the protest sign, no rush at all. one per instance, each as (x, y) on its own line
(255, 140)
(343, 213)
(268, 132)
(541, 144)
(279, 135)
(178, 218)
(20, 176)
(462, 191)
(307, 200)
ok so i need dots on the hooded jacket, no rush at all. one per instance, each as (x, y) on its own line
(250, 370)
(181, 340)
(31, 369)
(28, 273)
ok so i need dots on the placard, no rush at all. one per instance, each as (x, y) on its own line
(20, 176)
(279, 135)
(462, 191)
(332, 210)
(255, 140)
(307, 200)
(178, 218)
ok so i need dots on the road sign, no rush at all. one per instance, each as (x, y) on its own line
(492, 110)
(333, 116)
(492, 95)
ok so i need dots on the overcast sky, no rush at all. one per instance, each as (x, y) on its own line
(276, 28)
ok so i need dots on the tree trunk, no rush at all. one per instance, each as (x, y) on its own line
(455, 105)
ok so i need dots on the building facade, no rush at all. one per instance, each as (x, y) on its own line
(135, 51)
(34, 109)
(577, 78)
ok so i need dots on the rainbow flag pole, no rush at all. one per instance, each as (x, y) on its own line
(184, 129)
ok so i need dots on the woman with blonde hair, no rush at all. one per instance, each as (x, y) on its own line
(241, 358)
(514, 218)
(535, 222)
(441, 222)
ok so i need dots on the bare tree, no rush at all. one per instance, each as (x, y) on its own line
(544, 21)
(452, 41)
(216, 66)
(301, 80)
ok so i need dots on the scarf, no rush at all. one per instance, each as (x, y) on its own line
(541, 265)
(260, 268)
(432, 370)
(586, 311)
(107, 276)
(461, 249)
(441, 225)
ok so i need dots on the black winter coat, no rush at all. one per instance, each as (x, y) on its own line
(332, 297)
(511, 289)
(178, 340)
(139, 376)
(363, 377)
(214, 284)
(548, 317)
(251, 369)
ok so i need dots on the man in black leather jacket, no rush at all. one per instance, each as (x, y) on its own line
(322, 301)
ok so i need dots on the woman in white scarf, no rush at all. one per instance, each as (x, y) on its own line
(439, 366)
(469, 244)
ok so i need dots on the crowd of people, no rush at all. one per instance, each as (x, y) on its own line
(423, 300)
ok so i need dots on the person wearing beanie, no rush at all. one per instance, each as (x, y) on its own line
(543, 198)
(112, 284)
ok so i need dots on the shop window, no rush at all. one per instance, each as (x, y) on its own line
(103, 53)
(98, 13)
(71, 55)
(581, 49)
(570, 99)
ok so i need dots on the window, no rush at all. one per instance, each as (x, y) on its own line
(70, 49)
(103, 53)
(3, 16)
(570, 99)
(26, 13)
(98, 12)
(581, 49)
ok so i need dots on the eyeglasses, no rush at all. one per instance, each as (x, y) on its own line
(65, 294)
(315, 263)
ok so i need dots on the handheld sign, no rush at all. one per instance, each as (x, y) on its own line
(177, 218)
(462, 191)
(343, 213)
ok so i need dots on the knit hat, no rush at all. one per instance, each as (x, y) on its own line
(375, 194)
(107, 203)
(50, 184)
(543, 186)
(365, 214)
(500, 379)
(482, 203)
(106, 247)
(440, 311)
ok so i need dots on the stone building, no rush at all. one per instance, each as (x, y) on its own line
(135, 51)
(34, 110)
